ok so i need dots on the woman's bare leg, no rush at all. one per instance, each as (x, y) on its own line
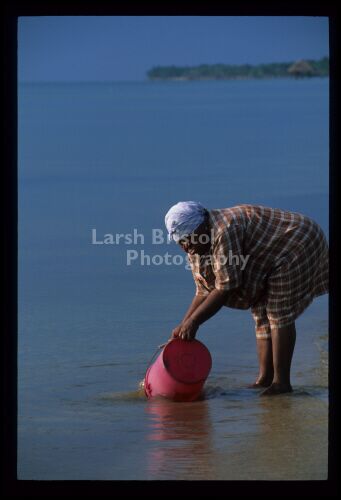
(283, 343)
(266, 370)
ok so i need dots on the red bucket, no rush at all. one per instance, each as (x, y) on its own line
(179, 372)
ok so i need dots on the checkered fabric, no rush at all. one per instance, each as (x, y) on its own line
(285, 255)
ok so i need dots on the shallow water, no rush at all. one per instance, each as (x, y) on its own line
(115, 157)
(238, 435)
(78, 431)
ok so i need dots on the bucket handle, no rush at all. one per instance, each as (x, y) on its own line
(159, 347)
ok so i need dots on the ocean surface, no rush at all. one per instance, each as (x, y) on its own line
(113, 157)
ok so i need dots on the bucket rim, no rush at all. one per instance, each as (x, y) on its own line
(202, 380)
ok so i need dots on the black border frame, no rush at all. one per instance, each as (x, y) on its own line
(11, 486)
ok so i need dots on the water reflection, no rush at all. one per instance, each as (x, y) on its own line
(236, 435)
(288, 440)
(180, 438)
(290, 436)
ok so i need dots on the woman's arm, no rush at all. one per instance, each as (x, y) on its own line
(196, 302)
(213, 303)
(210, 306)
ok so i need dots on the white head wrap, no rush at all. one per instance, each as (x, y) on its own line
(183, 218)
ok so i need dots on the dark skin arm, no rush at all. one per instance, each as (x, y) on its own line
(203, 306)
(211, 304)
(197, 300)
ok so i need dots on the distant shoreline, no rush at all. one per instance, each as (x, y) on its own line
(237, 78)
(296, 69)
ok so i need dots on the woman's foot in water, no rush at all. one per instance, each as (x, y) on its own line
(261, 382)
(276, 388)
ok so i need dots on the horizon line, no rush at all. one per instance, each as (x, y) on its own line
(153, 81)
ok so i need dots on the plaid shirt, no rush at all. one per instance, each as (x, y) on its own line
(270, 239)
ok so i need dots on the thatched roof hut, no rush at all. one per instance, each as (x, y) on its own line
(301, 68)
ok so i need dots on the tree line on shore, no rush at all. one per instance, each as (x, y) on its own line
(301, 68)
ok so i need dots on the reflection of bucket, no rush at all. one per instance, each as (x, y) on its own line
(179, 372)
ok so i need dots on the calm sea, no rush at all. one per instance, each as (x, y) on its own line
(114, 157)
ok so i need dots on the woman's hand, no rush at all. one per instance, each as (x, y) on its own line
(176, 332)
(188, 329)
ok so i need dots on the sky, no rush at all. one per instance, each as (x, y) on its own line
(124, 48)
